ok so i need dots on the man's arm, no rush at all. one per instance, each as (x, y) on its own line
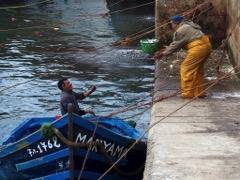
(173, 47)
(90, 91)
(180, 39)
(85, 94)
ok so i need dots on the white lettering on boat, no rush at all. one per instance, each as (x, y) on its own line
(44, 146)
(118, 151)
(111, 148)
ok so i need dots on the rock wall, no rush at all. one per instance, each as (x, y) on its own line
(164, 10)
(220, 22)
(212, 20)
(233, 14)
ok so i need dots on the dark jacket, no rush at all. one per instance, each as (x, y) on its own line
(71, 97)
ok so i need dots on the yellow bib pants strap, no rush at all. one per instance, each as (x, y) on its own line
(191, 70)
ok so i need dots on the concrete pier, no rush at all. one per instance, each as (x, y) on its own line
(201, 140)
(198, 139)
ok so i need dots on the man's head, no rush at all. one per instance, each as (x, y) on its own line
(64, 84)
(177, 19)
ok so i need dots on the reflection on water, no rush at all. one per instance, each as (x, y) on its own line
(73, 41)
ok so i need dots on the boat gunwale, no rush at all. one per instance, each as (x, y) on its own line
(26, 141)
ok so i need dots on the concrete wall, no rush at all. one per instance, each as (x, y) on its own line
(233, 14)
(230, 9)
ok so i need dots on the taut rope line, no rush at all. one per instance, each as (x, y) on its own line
(116, 3)
(138, 36)
(134, 7)
(23, 6)
(99, 145)
(169, 114)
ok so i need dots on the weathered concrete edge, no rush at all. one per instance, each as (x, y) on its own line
(150, 144)
(158, 167)
(150, 155)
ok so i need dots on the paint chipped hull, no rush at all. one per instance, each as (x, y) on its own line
(33, 157)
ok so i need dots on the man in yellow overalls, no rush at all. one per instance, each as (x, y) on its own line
(189, 35)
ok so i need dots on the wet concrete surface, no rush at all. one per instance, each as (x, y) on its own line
(195, 139)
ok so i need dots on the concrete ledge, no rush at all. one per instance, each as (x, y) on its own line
(201, 141)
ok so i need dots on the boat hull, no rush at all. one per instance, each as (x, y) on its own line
(35, 157)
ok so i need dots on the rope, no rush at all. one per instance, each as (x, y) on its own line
(113, 4)
(86, 156)
(130, 8)
(127, 40)
(147, 103)
(138, 114)
(23, 6)
(224, 42)
(213, 84)
(135, 105)
(100, 146)
(223, 46)
(138, 36)
(23, 28)
(141, 105)
(18, 84)
(169, 114)
(116, 42)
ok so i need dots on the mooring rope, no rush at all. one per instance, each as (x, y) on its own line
(100, 146)
(88, 150)
(130, 8)
(144, 102)
(136, 36)
(25, 28)
(177, 92)
(163, 118)
(116, 3)
(23, 6)
(117, 42)
(137, 114)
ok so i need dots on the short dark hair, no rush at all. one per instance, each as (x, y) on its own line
(60, 83)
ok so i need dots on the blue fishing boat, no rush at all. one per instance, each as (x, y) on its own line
(28, 154)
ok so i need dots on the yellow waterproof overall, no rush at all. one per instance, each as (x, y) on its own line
(191, 70)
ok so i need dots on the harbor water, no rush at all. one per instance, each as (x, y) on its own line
(42, 43)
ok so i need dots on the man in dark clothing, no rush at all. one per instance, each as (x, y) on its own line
(69, 96)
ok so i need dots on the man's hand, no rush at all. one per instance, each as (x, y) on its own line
(93, 88)
(90, 90)
(158, 55)
(89, 111)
